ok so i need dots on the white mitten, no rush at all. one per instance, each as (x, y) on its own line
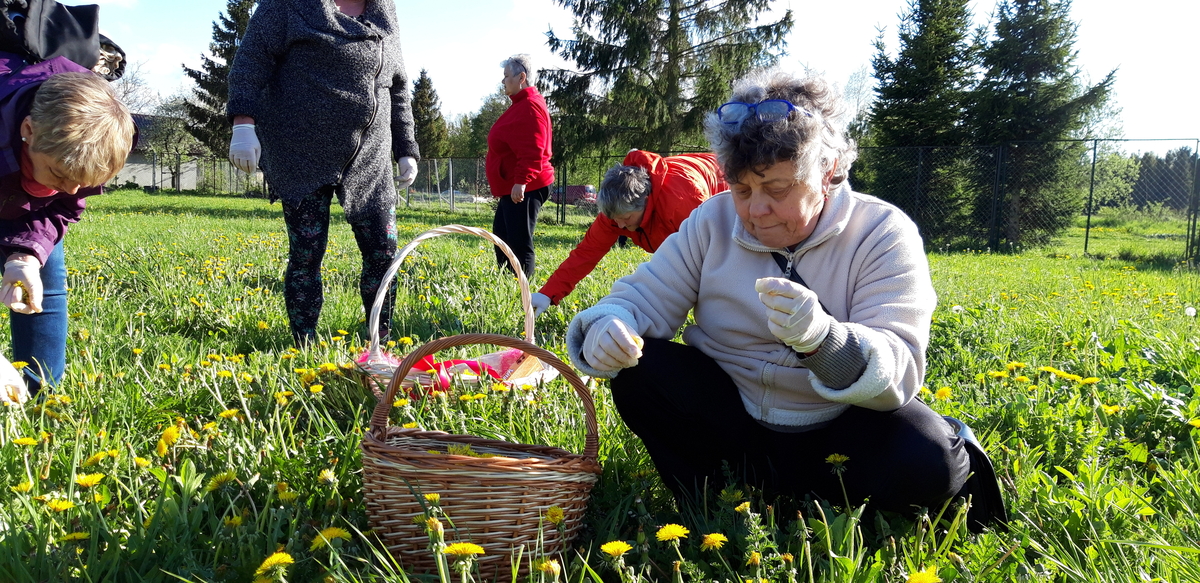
(794, 313)
(610, 345)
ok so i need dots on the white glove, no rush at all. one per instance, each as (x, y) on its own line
(244, 148)
(27, 297)
(408, 171)
(610, 345)
(540, 303)
(794, 314)
(12, 386)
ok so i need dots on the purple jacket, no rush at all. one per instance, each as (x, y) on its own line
(27, 223)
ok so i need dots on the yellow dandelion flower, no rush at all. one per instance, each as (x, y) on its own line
(60, 505)
(342, 332)
(400, 403)
(137, 351)
(615, 548)
(550, 567)
(114, 453)
(164, 366)
(141, 462)
(555, 515)
(19, 364)
(282, 487)
(94, 459)
(316, 389)
(671, 532)
(1089, 381)
(288, 497)
(1194, 423)
(1111, 409)
(463, 550)
(433, 525)
(228, 414)
(924, 391)
(88, 480)
(1048, 369)
(247, 377)
(787, 558)
(328, 367)
(211, 425)
(325, 537)
(220, 480)
(170, 435)
(410, 425)
(943, 394)
(754, 560)
(928, 575)
(263, 325)
(233, 521)
(405, 341)
(1022, 379)
(161, 448)
(275, 562)
(27, 441)
(433, 498)
(713, 541)
(998, 374)
(743, 507)
(23, 487)
(214, 357)
(1015, 366)
(225, 374)
(328, 477)
(281, 398)
(75, 537)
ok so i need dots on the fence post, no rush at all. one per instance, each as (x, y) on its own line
(1193, 211)
(994, 222)
(450, 181)
(1087, 231)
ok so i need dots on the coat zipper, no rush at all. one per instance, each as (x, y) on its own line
(370, 120)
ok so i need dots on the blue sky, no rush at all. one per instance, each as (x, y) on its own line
(461, 43)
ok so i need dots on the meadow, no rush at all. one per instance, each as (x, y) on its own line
(190, 441)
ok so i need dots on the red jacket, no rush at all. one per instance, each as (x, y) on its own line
(519, 145)
(677, 186)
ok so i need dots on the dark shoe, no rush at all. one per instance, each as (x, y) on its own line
(987, 501)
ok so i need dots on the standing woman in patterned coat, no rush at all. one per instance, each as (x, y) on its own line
(518, 163)
(322, 83)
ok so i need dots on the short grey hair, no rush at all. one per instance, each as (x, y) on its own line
(623, 190)
(813, 143)
(521, 63)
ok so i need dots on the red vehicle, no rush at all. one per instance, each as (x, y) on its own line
(579, 194)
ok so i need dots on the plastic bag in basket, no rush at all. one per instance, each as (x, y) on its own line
(509, 366)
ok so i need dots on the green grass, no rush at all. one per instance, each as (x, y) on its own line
(1078, 374)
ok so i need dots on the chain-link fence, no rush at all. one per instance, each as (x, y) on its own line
(186, 173)
(1104, 197)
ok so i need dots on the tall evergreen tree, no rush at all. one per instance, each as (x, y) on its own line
(920, 100)
(428, 123)
(1031, 92)
(206, 108)
(649, 70)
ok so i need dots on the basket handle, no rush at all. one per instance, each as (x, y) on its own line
(379, 419)
(374, 352)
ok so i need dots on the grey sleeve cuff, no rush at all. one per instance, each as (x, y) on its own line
(840, 361)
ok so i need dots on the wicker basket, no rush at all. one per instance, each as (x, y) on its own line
(378, 367)
(496, 502)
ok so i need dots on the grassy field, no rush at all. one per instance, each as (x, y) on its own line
(190, 441)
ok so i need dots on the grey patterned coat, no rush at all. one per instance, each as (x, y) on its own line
(329, 96)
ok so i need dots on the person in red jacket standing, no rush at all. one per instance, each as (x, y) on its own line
(645, 198)
(518, 163)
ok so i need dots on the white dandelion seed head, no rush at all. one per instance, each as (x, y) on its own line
(958, 309)
(1190, 312)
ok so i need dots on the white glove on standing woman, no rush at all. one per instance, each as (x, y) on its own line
(610, 345)
(25, 298)
(244, 148)
(794, 314)
(408, 171)
(540, 303)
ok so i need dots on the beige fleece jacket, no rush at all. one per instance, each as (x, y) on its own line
(865, 261)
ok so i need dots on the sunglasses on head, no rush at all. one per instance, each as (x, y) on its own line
(769, 110)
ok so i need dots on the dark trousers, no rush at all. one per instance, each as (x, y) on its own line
(308, 235)
(40, 340)
(689, 413)
(514, 225)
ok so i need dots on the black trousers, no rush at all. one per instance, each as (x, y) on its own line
(514, 225)
(689, 413)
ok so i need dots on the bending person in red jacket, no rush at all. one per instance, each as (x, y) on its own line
(518, 163)
(644, 198)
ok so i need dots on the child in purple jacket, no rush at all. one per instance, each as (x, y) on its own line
(63, 133)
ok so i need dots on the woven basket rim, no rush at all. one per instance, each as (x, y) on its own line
(552, 457)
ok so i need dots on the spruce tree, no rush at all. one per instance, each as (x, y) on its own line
(428, 123)
(650, 70)
(1029, 100)
(920, 100)
(206, 108)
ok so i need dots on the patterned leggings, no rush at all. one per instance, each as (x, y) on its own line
(308, 235)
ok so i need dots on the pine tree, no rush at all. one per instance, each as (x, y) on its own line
(1030, 98)
(650, 70)
(428, 123)
(206, 108)
(920, 100)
